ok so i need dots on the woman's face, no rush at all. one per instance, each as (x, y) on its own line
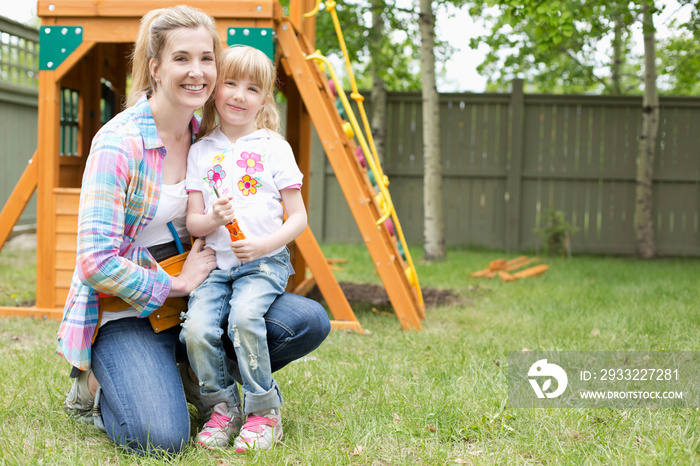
(186, 74)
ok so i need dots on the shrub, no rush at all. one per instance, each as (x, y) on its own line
(557, 232)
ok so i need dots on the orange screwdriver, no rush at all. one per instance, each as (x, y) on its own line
(233, 229)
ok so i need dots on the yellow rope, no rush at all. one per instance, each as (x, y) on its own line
(368, 146)
(313, 12)
(386, 211)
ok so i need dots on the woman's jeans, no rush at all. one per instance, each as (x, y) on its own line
(143, 403)
(233, 302)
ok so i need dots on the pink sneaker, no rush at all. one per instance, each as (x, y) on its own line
(260, 432)
(220, 427)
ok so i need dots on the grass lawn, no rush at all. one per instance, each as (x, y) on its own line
(390, 397)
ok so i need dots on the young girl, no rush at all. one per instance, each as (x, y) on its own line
(242, 169)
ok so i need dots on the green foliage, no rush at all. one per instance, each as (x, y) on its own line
(393, 51)
(680, 59)
(555, 45)
(556, 233)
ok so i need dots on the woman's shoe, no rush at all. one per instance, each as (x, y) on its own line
(79, 402)
(191, 389)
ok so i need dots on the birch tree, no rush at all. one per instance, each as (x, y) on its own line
(647, 141)
(433, 221)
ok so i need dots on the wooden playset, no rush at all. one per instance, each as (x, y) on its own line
(84, 45)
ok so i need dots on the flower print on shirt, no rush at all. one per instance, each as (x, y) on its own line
(215, 176)
(251, 162)
(249, 185)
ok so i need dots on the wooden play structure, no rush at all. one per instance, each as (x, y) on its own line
(83, 75)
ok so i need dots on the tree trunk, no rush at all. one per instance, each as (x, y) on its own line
(617, 56)
(647, 142)
(378, 98)
(433, 222)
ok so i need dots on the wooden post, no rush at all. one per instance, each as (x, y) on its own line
(299, 137)
(326, 282)
(47, 180)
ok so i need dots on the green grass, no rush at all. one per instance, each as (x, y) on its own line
(17, 277)
(434, 397)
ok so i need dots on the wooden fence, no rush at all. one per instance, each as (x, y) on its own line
(19, 64)
(508, 158)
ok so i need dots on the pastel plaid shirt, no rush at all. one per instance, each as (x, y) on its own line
(119, 196)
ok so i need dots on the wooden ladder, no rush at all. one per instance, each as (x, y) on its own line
(353, 178)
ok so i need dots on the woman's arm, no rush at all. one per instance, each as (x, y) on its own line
(249, 249)
(115, 196)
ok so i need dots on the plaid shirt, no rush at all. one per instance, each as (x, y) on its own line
(119, 196)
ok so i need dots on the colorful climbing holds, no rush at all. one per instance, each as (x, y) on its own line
(347, 127)
(389, 224)
(361, 156)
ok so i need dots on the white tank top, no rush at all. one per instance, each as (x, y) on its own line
(172, 207)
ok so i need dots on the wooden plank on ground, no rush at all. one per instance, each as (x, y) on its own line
(36, 312)
(347, 325)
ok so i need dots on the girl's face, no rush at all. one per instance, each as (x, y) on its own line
(187, 73)
(238, 102)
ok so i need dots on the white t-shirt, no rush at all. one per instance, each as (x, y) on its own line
(252, 171)
(172, 207)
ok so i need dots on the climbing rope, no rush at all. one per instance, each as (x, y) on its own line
(367, 145)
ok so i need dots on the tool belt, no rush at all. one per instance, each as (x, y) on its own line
(169, 314)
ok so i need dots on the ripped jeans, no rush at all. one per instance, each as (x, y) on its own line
(235, 301)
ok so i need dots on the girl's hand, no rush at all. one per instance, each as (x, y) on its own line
(249, 249)
(222, 210)
(196, 269)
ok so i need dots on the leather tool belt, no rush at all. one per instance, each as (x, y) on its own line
(169, 314)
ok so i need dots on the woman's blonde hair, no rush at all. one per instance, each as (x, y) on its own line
(151, 41)
(242, 61)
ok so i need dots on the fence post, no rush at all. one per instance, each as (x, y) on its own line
(515, 167)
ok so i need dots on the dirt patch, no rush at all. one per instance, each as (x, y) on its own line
(24, 241)
(376, 295)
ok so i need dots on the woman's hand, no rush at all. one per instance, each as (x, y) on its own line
(196, 269)
(222, 210)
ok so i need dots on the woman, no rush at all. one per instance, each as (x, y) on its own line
(133, 186)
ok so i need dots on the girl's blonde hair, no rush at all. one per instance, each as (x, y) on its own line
(154, 32)
(242, 61)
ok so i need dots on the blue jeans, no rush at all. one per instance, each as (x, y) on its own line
(234, 302)
(143, 403)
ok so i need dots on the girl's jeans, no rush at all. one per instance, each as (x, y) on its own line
(235, 300)
(143, 403)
